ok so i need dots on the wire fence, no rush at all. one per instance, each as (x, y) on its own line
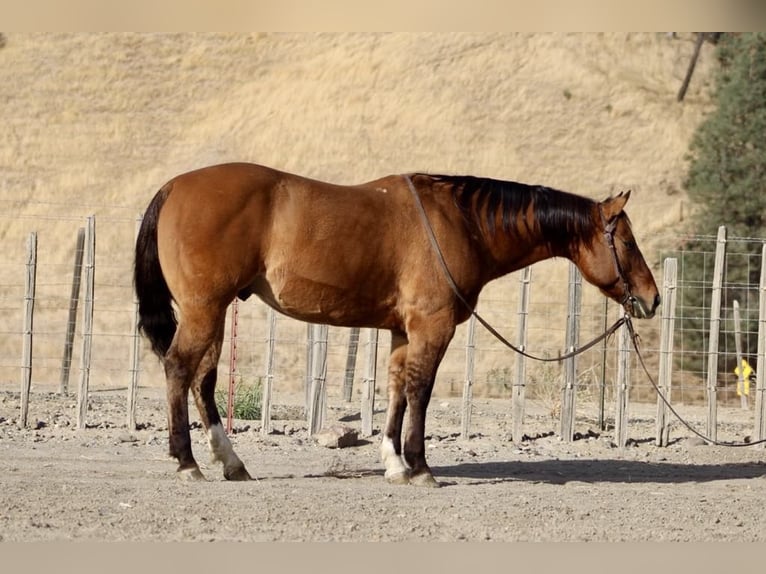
(740, 287)
(111, 367)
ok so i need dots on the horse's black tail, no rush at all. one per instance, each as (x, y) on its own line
(156, 318)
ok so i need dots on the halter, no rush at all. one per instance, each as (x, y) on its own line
(609, 230)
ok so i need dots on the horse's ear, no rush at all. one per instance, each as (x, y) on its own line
(611, 207)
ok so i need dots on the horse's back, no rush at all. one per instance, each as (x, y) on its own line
(234, 182)
(227, 180)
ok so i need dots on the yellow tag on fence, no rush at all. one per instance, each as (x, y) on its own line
(747, 371)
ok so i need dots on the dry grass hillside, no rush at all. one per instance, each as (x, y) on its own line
(95, 123)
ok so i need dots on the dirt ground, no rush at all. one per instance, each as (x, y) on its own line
(105, 483)
(96, 122)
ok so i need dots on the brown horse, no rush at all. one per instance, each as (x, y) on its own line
(355, 256)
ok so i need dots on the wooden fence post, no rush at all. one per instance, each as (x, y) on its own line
(29, 312)
(623, 387)
(368, 390)
(348, 379)
(470, 355)
(134, 354)
(738, 346)
(666, 349)
(518, 397)
(268, 383)
(87, 328)
(71, 325)
(318, 378)
(759, 432)
(568, 400)
(715, 327)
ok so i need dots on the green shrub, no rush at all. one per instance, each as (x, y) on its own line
(247, 400)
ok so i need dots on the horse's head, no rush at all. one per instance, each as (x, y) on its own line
(613, 262)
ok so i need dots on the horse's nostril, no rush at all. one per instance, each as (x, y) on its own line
(657, 301)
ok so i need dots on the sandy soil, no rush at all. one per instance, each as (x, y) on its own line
(106, 483)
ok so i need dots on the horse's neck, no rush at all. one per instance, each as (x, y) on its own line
(510, 253)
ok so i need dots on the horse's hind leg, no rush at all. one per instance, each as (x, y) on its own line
(203, 389)
(391, 445)
(180, 366)
(197, 341)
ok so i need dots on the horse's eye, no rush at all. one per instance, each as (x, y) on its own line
(629, 245)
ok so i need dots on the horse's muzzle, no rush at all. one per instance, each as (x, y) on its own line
(639, 309)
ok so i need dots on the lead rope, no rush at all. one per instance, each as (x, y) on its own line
(634, 341)
(625, 319)
(437, 250)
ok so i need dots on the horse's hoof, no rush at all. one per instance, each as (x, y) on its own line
(399, 477)
(191, 474)
(424, 479)
(238, 473)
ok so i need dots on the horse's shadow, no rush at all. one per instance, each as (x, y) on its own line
(598, 471)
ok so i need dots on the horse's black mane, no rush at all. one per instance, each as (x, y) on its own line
(562, 218)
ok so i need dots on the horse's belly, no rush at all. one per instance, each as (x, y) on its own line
(321, 302)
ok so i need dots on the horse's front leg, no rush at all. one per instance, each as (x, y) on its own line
(424, 354)
(391, 445)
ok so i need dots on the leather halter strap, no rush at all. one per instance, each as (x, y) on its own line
(610, 227)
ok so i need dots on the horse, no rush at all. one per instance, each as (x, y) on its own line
(356, 256)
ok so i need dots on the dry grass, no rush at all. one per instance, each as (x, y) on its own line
(95, 123)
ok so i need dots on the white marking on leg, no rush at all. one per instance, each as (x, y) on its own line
(191, 474)
(395, 469)
(220, 447)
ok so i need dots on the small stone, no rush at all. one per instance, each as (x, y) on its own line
(337, 436)
(696, 441)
